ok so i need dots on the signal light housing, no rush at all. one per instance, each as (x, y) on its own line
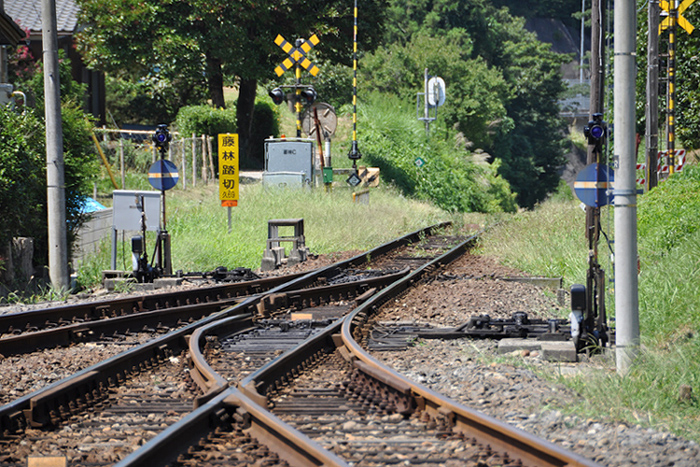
(162, 137)
(596, 130)
(308, 95)
(277, 96)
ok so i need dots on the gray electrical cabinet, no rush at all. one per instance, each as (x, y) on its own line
(127, 209)
(290, 156)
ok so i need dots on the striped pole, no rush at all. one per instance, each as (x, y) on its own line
(354, 154)
(297, 91)
(671, 146)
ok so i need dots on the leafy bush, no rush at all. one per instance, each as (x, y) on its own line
(205, 120)
(393, 140)
(22, 175)
(23, 163)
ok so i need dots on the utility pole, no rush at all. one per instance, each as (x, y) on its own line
(652, 107)
(626, 286)
(56, 197)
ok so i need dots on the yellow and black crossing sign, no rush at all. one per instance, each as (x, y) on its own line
(228, 169)
(297, 55)
(681, 21)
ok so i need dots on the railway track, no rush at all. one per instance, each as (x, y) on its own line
(330, 403)
(31, 421)
(66, 325)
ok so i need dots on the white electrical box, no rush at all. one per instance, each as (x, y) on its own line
(283, 179)
(290, 156)
(127, 210)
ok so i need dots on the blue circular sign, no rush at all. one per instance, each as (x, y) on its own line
(593, 185)
(163, 175)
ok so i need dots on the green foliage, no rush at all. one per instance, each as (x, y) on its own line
(476, 93)
(148, 102)
(455, 181)
(502, 83)
(687, 78)
(22, 175)
(23, 155)
(265, 125)
(550, 241)
(669, 213)
(71, 91)
(205, 120)
(543, 242)
(334, 84)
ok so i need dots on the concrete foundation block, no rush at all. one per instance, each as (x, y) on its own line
(513, 344)
(564, 351)
(269, 262)
(167, 282)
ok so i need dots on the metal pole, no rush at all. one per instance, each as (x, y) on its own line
(626, 293)
(652, 106)
(354, 154)
(56, 197)
(671, 145)
(583, 24)
(425, 98)
(594, 155)
(297, 91)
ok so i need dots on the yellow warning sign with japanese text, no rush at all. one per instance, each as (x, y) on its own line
(228, 169)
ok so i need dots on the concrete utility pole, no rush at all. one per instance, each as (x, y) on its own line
(56, 197)
(652, 107)
(626, 293)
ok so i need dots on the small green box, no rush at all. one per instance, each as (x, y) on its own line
(328, 175)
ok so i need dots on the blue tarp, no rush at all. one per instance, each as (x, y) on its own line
(90, 205)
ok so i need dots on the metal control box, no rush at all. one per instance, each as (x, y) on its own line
(127, 210)
(5, 93)
(295, 156)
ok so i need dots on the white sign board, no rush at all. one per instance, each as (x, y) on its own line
(436, 91)
(127, 210)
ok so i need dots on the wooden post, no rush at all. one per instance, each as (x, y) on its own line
(184, 164)
(204, 159)
(121, 162)
(194, 161)
(211, 158)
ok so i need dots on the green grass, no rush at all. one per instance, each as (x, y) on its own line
(550, 241)
(198, 225)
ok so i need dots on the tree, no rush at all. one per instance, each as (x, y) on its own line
(23, 161)
(503, 89)
(216, 40)
(476, 93)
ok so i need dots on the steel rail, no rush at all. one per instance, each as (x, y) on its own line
(501, 436)
(95, 330)
(39, 408)
(290, 444)
(72, 323)
(211, 383)
(408, 395)
(76, 313)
